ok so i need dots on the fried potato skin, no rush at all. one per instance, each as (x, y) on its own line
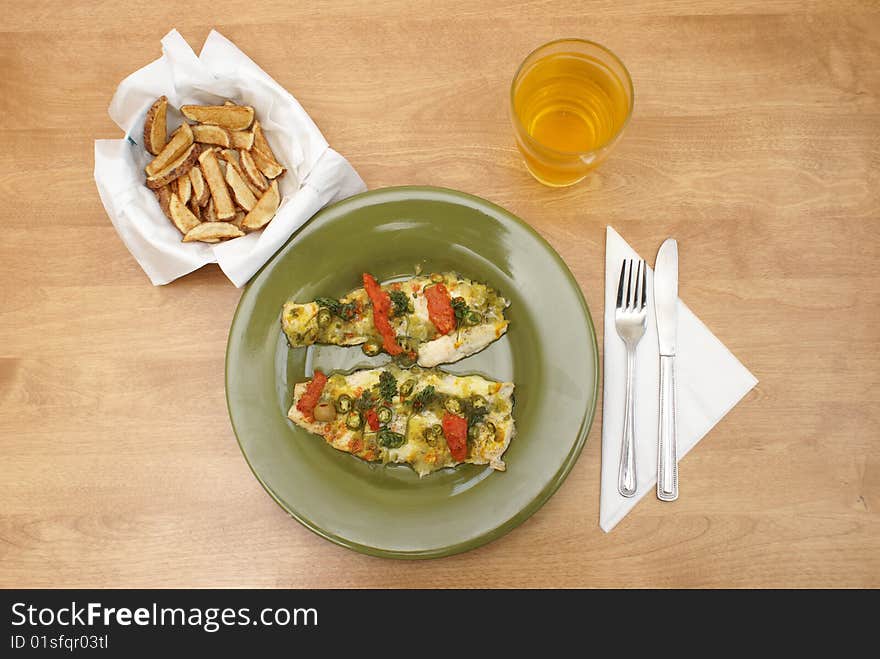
(223, 206)
(212, 232)
(218, 171)
(252, 173)
(176, 169)
(210, 134)
(180, 141)
(264, 210)
(155, 131)
(182, 217)
(232, 117)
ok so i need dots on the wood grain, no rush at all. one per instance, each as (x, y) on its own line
(755, 141)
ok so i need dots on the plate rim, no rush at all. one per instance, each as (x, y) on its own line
(431, 193)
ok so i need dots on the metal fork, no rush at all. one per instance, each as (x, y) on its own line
(631, 318)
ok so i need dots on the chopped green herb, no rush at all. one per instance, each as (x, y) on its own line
(329, 302)
(476, 414)
(390, 439)
(472, 318)
(387, 386)
(401, 303)
(365, 401)
(423, 398)
(345, 311)
(474, 410)
(348, 310)
(460, 308)
(405, 359)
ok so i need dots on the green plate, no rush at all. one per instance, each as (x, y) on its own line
(549, 352)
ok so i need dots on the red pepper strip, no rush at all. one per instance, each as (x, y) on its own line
(372, 419)
(455, 431)
(306, 403)
(381, 306)
(440, 308)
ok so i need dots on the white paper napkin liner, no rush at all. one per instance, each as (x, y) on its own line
(710, 381)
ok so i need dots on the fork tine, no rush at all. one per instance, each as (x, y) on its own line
(644, 286)
(626, 295)
(620, 285)
(636, 279)
(640, 288)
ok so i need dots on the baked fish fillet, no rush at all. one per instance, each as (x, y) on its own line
(422, 417)
(431, 320)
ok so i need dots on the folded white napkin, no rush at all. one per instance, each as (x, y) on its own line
(317, 175)
(709, 381)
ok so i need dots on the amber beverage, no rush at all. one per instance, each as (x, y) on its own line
(570, 101)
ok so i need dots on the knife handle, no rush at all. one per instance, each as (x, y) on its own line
(667, 456)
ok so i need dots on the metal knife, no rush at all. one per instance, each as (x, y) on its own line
(666, 308)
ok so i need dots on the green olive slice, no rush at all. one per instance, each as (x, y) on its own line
(324, 317)
(353, 421)
(384, 413)
(343, 404)
(453, 406)
(372, 348)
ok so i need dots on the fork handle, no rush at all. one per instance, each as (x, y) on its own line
(667, 456)
(626, 476)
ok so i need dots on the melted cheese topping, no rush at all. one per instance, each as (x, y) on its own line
(301, 325)
(424, 452)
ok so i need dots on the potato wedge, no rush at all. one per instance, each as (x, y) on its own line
(268, 166)
(184, 188)
(200, 191)
(264, 210)
(230, 156)
(240, 191)
(182, 217)
(208, 134)
(223, 205)
(238, 219)
(212, 232)
(163, 196)
(254, 189)
(260, 142)
(180, 141)
(155, 132)
(176, 169)
(242, 139)
(233, 117)
(208, 214)
(220, 171)
(252, 173)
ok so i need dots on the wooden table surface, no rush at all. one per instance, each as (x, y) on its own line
(755, 141)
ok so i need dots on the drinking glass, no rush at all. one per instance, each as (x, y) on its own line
(570, 101)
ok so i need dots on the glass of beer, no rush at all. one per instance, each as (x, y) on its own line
(570, 101)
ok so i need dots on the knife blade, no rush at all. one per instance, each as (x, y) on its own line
(666, 295)
(666, 312)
